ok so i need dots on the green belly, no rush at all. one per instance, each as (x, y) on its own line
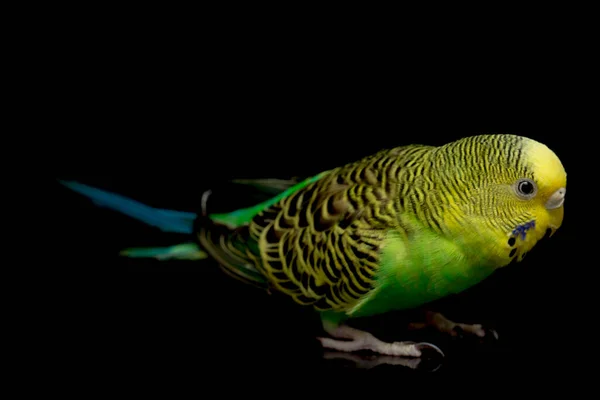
(413, 273)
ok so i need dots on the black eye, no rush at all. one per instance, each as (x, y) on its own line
(526, 188)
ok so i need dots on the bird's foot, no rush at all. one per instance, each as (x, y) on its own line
(348, 339)
(442, 324)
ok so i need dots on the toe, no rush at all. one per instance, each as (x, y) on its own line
(478, 330)
(463, 330)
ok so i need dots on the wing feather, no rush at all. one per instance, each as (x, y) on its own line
(321, 244)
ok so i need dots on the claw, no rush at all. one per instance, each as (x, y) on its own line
(429, 362)
(424, 346)
(491, 335)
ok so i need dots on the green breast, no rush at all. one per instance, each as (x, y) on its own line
(418, 269)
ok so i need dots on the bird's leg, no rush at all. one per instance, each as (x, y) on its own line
(350, 339)
(442, 324)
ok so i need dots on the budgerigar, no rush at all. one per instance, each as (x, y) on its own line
(394, 230)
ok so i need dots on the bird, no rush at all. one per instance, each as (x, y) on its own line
(394, 230)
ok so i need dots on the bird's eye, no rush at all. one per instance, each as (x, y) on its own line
(526, 188)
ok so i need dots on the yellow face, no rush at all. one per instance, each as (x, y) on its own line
(551, 181)
(540, 197)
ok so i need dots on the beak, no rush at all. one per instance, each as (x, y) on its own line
(557, 199)
(555, 208)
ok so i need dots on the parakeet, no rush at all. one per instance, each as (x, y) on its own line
(394, 230)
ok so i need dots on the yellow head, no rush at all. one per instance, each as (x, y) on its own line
(514, 193)
(550, 185)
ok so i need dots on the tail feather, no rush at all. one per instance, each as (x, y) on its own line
(166, 220)
(185, 251)
(223, 237)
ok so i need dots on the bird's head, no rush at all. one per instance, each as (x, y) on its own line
(515, 192)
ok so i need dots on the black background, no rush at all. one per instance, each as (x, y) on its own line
(161, 121)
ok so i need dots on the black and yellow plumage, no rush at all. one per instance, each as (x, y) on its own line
(446, 213)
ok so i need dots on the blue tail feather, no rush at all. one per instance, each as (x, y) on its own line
(166, 220)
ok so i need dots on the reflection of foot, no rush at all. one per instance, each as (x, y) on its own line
(356, 340)
(444, 325)
(372, 361)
